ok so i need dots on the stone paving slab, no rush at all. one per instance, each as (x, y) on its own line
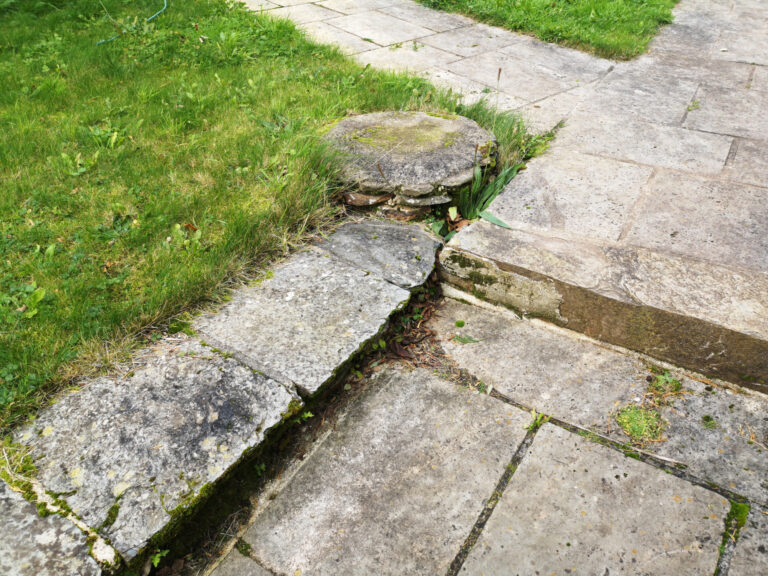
(577, 507)
(422, 16)
(736, 112)
(737, 46)
(33, 545)
(346, 42)
(303, 13)
(720, 435)
(704, 317)
(355, 6)
(235, 564)
(473, 40)
(760, 79)
(645, 143)
(129, 453)
(410, 56)
(751, 556)
(749, 163)
(541, 367)
(381, 28)
(549, 195)
(305, 321)
(703, 218)
(402, 254)
(396, 487)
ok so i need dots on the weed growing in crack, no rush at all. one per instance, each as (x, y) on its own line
(641, 424)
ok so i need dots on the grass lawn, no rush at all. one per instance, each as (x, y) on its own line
(617, 29)
(139, 176)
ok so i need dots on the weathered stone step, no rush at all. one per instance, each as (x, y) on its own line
(719, 433)
(704, 316)
(128, 456)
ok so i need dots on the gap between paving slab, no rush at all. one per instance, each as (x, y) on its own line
(131, 456)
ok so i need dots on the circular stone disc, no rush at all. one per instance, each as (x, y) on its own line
(410, 153)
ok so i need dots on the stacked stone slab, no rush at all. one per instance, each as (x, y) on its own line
(409, 158)
(126, 457)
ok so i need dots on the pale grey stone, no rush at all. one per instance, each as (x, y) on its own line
(643, 90)
(704, 316)
(511, 75)
(304, 323)
(471, 90)
(546, 114)
(149, 441)
(355, 6)
(402, 254)
(303, 13)
(235, 564)
(31, 545)
(645, 143)
(739, 46)
(574, 506)
(751, 556)
(572, 192)
(732, 111)
(557, 372)
(410, 56)
(258, 5)
(472, 40)
(381, 28)
(542, 367)
(346, 42)
(560, 62)
(410, 153)
(721, 435)
(722, 222)
(760, 79)
(749, 163)
(425, 17)
(398, 484)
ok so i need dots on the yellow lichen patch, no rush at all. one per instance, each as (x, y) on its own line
(76, 475)
(120, 489)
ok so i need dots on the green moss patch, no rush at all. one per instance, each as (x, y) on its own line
(640, 424)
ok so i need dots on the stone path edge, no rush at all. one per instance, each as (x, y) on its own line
(636, 326)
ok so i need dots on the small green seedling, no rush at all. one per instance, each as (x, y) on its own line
(539, 419)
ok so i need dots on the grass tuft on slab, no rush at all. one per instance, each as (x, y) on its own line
(616, 29)
(141, 176)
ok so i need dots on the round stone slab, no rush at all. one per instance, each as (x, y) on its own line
(412, 154)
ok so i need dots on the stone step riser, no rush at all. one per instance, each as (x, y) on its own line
(686, 341)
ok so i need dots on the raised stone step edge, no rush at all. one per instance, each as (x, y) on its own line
(694, 314)
(128, 458)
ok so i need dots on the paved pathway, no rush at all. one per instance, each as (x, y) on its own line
(651, 201)
(644, 225)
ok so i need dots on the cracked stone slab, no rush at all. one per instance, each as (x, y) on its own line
(32, 545)
(574, 506)
(721, 435)
(398, 484)
(403, 254)
(379, 27)
(302, 324)
(412, 154)
(749, 163)
(346, 42)
(751, 555)
(409, 57)
(697, 314)
(146, 444)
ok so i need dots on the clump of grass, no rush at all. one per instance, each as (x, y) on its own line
(618, 29)
(664, 387)
(641, 424)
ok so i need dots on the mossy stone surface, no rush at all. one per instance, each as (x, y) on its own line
(411, 154)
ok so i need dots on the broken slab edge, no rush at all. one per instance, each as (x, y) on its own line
(687, 341)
